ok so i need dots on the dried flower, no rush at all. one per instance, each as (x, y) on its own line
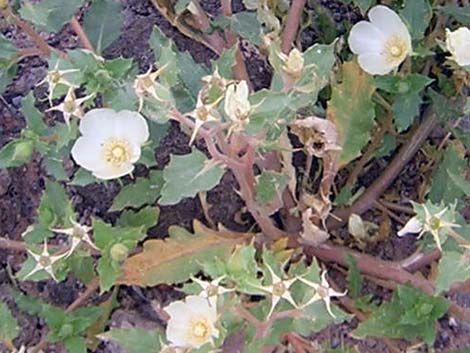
(44, 261)
(382, 43)
(323, 291)
(144, 86)
(56, 77)
(458, 44)
(110, 143)
(192, 322)
(71, 106)
(212, 290)
(237, 105)
(293, 63)
(203, 113)
(78, 233)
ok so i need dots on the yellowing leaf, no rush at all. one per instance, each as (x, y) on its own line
(352, 111)
(175, 259)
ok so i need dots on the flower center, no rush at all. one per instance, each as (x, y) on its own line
(55, 76)
(279, 289)
(435, 223)
(44, 261)
(117, 151)
(396, 49)
(200, 330)
(212, 290)
(69, 106)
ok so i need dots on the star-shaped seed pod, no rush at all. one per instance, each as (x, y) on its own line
(71, 106)
(44, 261)
(144, 86)
(56, 77)
(212, 290)
(322, 291)
(78, 233)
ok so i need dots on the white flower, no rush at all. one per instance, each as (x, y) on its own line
(236, 104)
(192, 322)
(110, 142)
(71, 106)
(44, 261)
(212, 290)
(382, 43)
(458, 44)
(322, 292)
(78, 233)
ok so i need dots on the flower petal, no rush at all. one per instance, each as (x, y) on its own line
(87, 152)
(412, 226)
(200, 307)
(375, 64)
(177, 335)
(388, 21)
(132, 126)
(108, 172)
(366, 38)
(100, 121)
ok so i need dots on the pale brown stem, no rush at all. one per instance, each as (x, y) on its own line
(82, 36)
(292, 25)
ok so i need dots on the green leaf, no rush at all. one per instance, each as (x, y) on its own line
(187, 175)
(103, 23)
(442, 107)
(181, 5)
(83, 177)
(75, 344)
(453, 267)
(55, 208)
(459, 13)
(50, 15)
(269, 185)
(247, 26)
(443, 188)
(406, 108)
(417, 14)
(8, 326)
(175, 259)
(145, 191)
(225, 62)
(8, 52)
(354, 277)
(146, 218)
(352, 114)
(460, 182)
(82, 267)
(16, 152)
(135, 340)
(411, 314)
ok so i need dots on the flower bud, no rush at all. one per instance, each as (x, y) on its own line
(23, 151)
(66, 330)
(294, 63)
(119, 252)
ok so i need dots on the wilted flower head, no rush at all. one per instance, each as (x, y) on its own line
(203, 113)
(237, 105)
(78, 233)
(430, 218)
(293, 63)
(57, 77)
(382, 43)
(192, 322)
(110, 142)
(144, 85)
(71, 106)
(458, 44)
(44, 261)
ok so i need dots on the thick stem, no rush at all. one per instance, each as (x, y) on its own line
(367, 199)
(292, 25)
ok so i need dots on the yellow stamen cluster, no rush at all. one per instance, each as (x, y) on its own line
(117, 151)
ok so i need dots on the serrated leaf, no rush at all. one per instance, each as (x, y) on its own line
(187, 175)
(146, 218)
(269, 185)
(353, 114)
(453, 267)
(443, 188)
(411, 314)
(459, 13)
(175, 259)
(417, 14)
(143, 191)
(32, 115)
(135, 340)
(55, 207)
(8, 326)
(406, 108)
(225, 62)
(103, 23)
(75, 344)
(50, 15)
(83, 177)
(7, 51)
(16, 152)
(247, 26)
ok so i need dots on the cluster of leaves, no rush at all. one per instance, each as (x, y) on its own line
(350, 108)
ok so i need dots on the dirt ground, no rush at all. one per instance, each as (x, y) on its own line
(21, 188)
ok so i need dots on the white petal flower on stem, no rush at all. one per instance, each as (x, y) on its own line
(44, 261)
(458, 44)
(192, 322)
(78, 233)
(382, 43)
(110, 143)
(236, 105)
